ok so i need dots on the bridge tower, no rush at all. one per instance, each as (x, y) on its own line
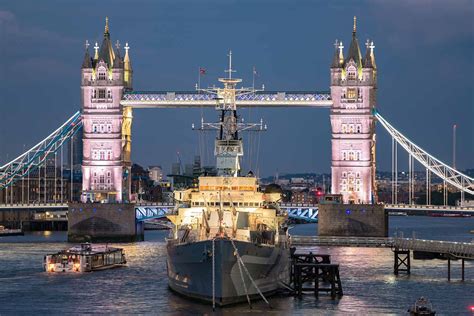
(105, 169)
(353, 91)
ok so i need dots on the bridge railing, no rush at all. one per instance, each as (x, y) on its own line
(430, 207)
(457, 249)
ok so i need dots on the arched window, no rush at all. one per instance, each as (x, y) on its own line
(351, 93)
(102, 73)
(101, 93)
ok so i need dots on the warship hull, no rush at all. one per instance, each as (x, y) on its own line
(190, 271)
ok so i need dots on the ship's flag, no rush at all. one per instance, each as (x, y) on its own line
(202, 71)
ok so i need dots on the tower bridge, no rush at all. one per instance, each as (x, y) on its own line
(108, 101)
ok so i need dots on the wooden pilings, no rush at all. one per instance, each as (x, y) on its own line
(401, 262)
(315, 273)
(462, 269)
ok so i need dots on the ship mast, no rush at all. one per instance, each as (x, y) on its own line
(228, 145)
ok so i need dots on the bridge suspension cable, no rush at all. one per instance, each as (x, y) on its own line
(442, 170)
(21, 166)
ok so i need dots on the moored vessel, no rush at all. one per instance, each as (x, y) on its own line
(229, 240)
(84, 258)
(10, 232)
(422, 307)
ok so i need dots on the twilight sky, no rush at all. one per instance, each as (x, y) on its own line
(424, 52)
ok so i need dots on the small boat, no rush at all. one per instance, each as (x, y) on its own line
(85, 258)
(423, 307)
(10, 232)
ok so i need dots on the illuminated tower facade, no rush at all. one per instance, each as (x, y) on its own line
(353, 91)
(105, 175)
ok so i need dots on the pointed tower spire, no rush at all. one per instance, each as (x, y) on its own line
(367, 59)
(354, 50)
(96, 48)
(341, 53)
(127, 68)
(372, 54)
(118, 59)
(106, 52)
(335, 59)
(354, 29)
(87, 63)
(106, 30)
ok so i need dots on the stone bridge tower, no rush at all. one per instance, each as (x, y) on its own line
(105, 76)
(353, 91)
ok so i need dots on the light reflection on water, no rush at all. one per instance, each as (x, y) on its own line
(141, 287)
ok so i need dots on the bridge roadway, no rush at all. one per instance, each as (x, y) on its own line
(194, 99)
(303, 212)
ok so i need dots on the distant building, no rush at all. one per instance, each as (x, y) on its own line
(176, 168)
(305, 196)
(155, 173)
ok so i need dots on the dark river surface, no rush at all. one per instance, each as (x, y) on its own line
(141, 288)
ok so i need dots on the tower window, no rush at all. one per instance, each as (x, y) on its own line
(352, 93)
(109, 94)
(101, 93)
(102, 75)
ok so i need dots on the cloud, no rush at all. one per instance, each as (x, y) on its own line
(27, 49)
(429, 22)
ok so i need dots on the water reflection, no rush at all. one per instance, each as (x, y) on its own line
(141, 288)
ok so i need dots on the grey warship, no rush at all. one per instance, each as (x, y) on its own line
(229, 241)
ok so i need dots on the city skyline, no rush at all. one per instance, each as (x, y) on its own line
(52, 53)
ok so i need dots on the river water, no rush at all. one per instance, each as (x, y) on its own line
(141, 288)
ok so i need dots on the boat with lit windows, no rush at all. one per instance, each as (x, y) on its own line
(229, 241)
(85, 258)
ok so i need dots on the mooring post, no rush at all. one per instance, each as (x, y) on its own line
(316, 282)
(462, 269)
(395, 261)
(449, 269)
(408, 262)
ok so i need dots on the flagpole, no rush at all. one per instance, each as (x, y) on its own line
(253, 77)
(199, 78)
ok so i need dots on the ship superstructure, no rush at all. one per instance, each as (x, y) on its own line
(229, 241)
